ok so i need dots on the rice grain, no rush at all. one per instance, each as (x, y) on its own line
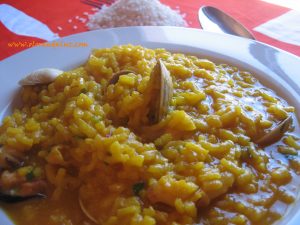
(135, 13)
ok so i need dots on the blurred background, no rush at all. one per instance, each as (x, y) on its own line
(275, 22)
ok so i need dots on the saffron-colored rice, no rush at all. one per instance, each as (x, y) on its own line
(200, 164)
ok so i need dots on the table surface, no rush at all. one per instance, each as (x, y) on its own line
(56, 14)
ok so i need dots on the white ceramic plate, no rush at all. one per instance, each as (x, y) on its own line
(275, 68)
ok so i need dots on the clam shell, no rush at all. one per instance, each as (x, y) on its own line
(40, 76)
(276, 133)
(161, 91)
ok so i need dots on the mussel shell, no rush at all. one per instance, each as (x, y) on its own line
(6, 198)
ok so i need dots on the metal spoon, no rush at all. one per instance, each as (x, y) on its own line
(215, 20)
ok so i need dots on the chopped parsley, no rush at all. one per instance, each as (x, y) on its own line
(30, 175)
(136, 188)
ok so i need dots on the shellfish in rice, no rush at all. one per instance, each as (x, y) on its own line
(18, 182)
(114, 151)
(40, 76)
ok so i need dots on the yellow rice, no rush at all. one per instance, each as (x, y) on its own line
(199, 164)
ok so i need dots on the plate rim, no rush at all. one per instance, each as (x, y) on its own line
(147, 27)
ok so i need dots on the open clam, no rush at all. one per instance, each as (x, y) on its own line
(157, 98)
(16, 186)
(276, 133)
(40, 76)
(159, 91)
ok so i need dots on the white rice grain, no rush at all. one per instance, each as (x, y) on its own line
(135, 13)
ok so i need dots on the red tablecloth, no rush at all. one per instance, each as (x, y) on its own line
(56, 13)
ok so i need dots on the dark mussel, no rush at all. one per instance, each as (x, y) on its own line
(15, 198)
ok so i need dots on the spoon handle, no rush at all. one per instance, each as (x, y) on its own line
(215, 20)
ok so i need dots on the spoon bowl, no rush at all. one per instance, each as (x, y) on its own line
(215, 20)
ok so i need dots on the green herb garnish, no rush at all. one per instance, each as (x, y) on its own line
(136, 188)
(30, 175)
